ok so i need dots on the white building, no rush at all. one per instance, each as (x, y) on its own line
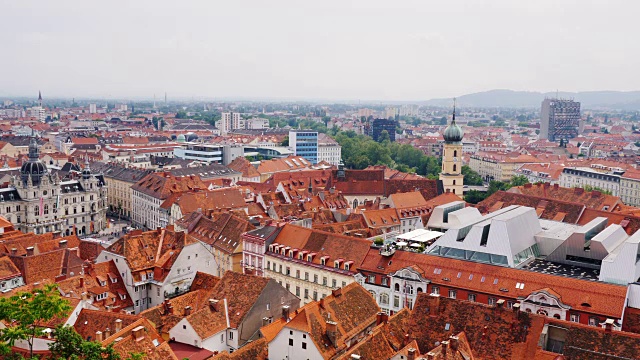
(92, 109)
(597, 176)
(257, 124)
(329, 150)
(143, 262)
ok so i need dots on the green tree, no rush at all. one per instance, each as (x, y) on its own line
(69, 345)
(384, 136)
(470, 176)
(28, 312)
(518, 180)
(285, 142)
(495, 186)
(474, 196)
(181, 114)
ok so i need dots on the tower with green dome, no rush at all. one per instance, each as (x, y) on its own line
(451, 174)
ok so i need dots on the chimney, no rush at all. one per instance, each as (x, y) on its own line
(99, 336)
(321, 303)
(431, 356)
(556, 186)
(265, 321)
(82, 281)
(516, 307)
(381, 318)
(355, 356)
(138, 333)
(336, 292)
(285, 313)
(213, 304)
(332, 332)
(500, 303)
(608, 325)
(411, 354)
(435, 304)
(30, 251)
(187, 310)
(107, 333)
(118, 326)
(445, 348)
(14, 251)
(62, 244)
(454, 342)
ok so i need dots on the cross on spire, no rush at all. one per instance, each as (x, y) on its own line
(454, 111)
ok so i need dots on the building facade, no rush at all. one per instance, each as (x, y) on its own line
(559, 119)
(588, 177)
(380, 125)
(304, 143)
(119, 180)
(39, 201)
(329, 150)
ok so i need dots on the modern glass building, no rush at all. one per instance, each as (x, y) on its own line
(304, 143)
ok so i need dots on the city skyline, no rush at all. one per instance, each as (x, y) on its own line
(290, 51)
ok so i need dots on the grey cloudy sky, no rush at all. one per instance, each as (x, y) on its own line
(375, 50)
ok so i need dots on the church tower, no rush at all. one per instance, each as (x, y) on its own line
(451, 175)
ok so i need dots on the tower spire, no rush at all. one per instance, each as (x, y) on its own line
(40, 98)
(453, 121)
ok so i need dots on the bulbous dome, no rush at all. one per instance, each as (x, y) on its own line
(453, 133)
(33, 168)
(181, 138)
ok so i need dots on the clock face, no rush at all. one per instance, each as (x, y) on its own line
(455, 159)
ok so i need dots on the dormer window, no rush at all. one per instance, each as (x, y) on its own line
(270, 248)
(336, 264)
(309, 258)
(123, 296)
(323, 261)
(103, 283)
(300, 257)
(346, 267)
(291, 254)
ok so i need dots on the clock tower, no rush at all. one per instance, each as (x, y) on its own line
(451, 175)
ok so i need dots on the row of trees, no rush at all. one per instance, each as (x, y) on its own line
(360, 151)
(28, 313)
(475, 196)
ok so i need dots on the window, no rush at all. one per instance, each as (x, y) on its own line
(372, 279)
(306, 293)
(221, 338)
(290, 342)
(315, 278)
(334, 283)
(396, 301)
(472, 297)
(593, 321)
(268, 306)
(306, 276)
(384, 299)
(452, 294)
(298, 291)
(435, 290)
(492, 301)
(304, 345)
(137, 303)
(385, 281)
(315, 295)
(574, 318)
(231, 335)
(324, 280)
(298, 274)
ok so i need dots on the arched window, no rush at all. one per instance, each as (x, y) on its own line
(420, 290)
(397, 287)
(453, 191)
(75, 210)
(557, 316)
(36, 210)
(454, 182)
(455, 167)
(66, 211)
(355, 203)
(384, 299)
(46, 209)
(455, 153)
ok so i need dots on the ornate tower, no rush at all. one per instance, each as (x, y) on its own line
(451, 175)
(40, 98)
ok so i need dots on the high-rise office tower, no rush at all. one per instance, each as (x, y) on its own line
(380, 125)
(559, 119)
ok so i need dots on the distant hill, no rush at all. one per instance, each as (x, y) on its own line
(623, 100)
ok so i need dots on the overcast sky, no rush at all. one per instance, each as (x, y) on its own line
(339, 50)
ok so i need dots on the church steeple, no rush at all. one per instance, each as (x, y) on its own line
(451, 174)
(39, 98)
